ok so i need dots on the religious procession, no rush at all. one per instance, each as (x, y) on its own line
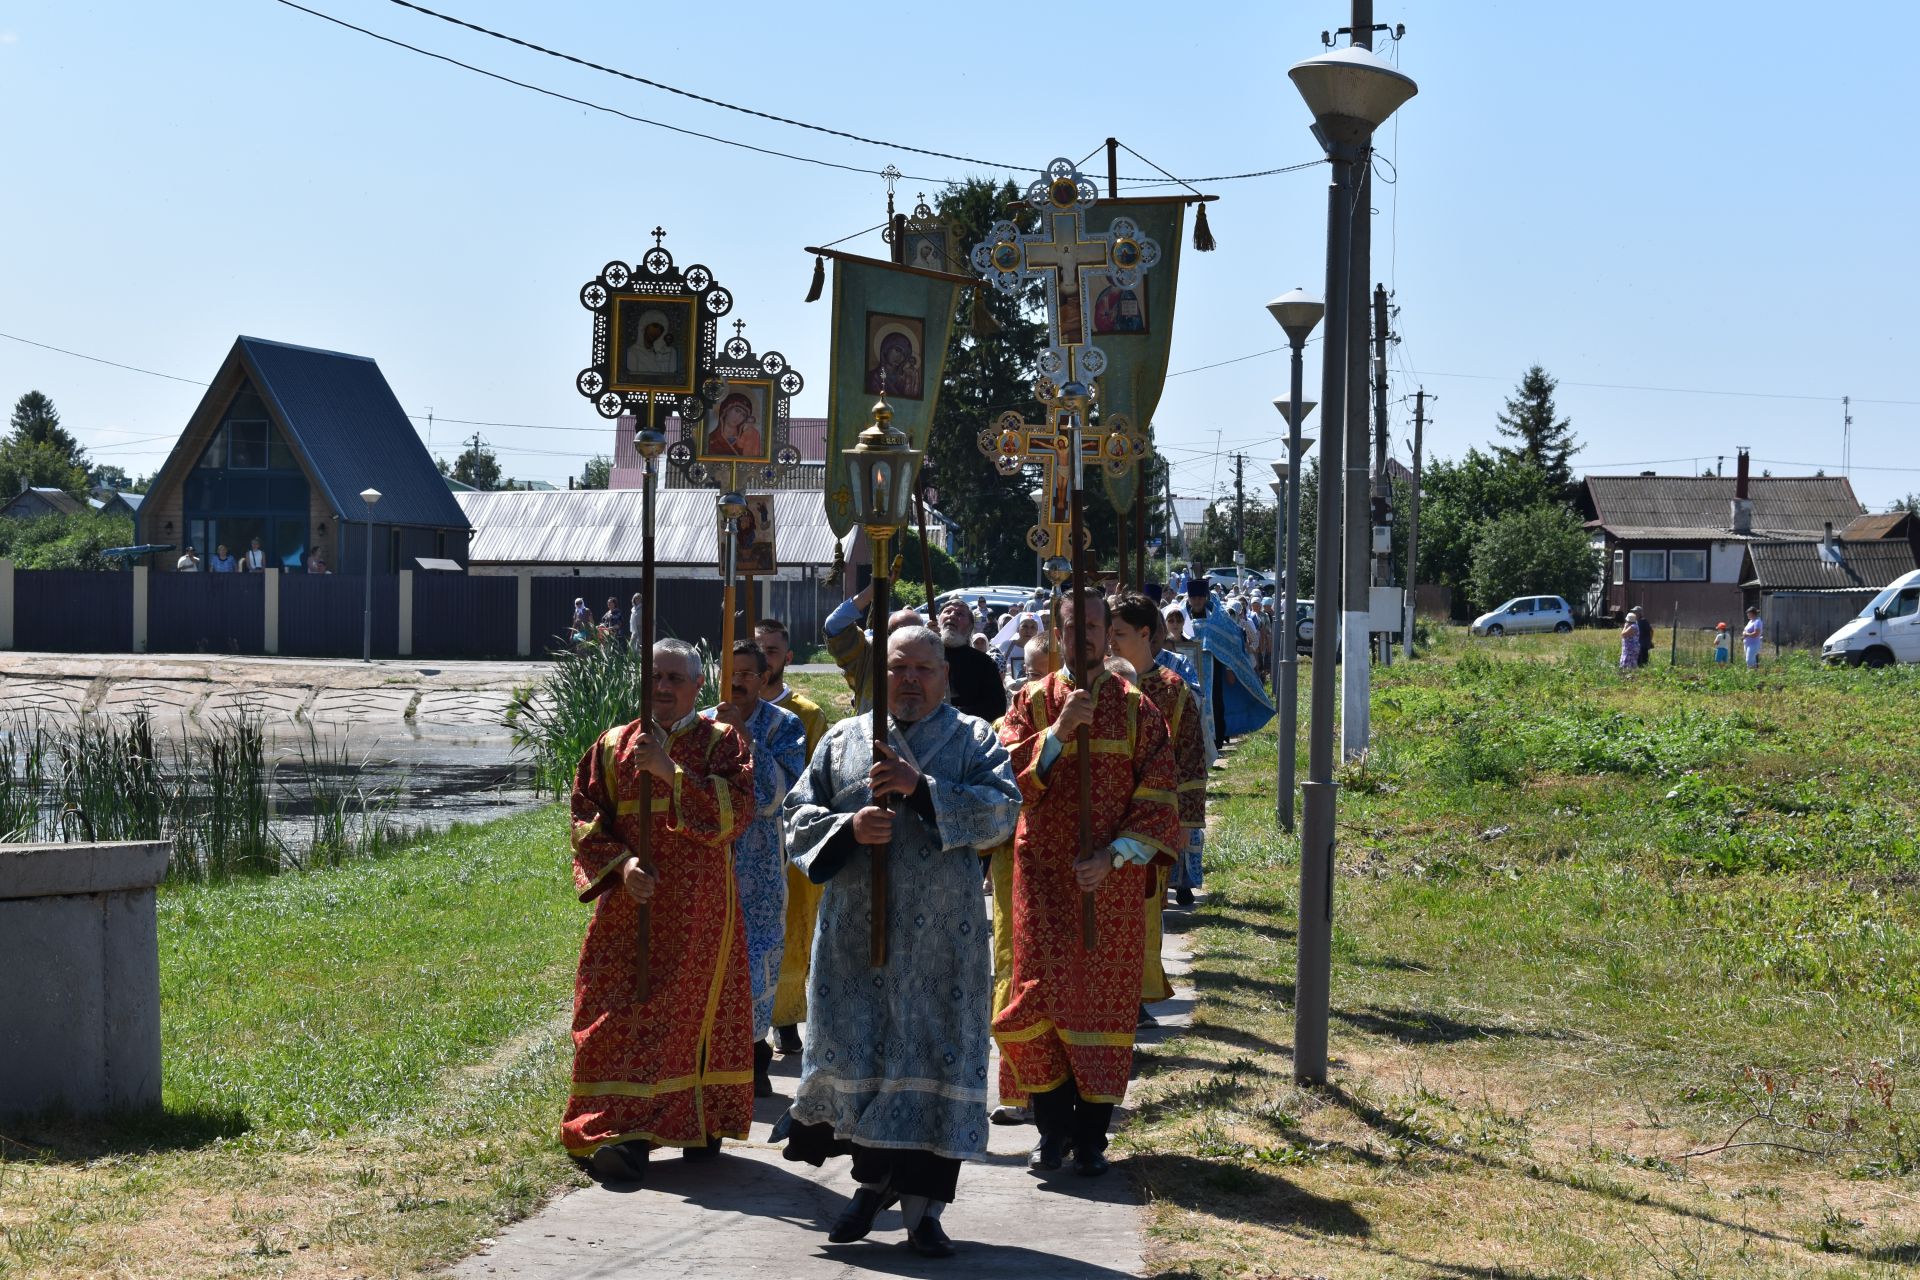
(949, 902)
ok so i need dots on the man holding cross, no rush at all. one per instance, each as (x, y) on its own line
(670, 1065)
(895, 1066)
(1066, 1033)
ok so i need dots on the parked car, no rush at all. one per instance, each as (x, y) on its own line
(1525, 613)
(1223, 578)
(1000, 599)
(1303, 613)
(1885, 632)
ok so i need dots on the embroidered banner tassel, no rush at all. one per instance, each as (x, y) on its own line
(1202, 233)
(819, 278)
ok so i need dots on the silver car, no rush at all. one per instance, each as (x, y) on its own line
(1525, 613)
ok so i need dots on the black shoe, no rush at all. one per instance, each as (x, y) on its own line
(1011, 1115)
(707, 1152)
(1049, 1154)
(929, 1240)
(1183, 895)
(1089, 1165)
(786, 1041)
(1146, 1019)
(620, 1162)
(762, 1059)
(857, 1218)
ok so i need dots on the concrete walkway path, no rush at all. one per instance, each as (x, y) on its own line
(753, 1214)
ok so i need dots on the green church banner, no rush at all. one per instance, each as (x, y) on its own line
(1134, 327)
(891, 325)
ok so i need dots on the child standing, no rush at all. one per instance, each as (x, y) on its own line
(1750, 636)
(1722, 644)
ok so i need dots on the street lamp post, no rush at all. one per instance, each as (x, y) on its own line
(1297, 313)
(368, 496)
(881, 466)
(1351, 93)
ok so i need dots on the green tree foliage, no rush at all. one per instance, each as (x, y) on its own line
(1458, 497)
(478, 466)
(598, 473)
(1909, 503)
(986, 376)
(35, 419)
(1544, 440)
(39, 452)
(1542, 549)
(65, 541)
(106, 476)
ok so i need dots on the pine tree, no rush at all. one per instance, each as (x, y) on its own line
(986, 376)
(36, 421)
(1545, 440)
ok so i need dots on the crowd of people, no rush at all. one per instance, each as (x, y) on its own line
(771, 834)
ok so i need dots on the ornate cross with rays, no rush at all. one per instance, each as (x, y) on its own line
(1062, 256)
(1014, 444)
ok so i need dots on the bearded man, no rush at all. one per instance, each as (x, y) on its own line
(672, 1067)
(759, 858)
(895, 1067)
(1066, 1033)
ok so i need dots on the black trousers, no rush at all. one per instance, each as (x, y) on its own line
(1062, 1112)
(1219, 705)
(911, 1173)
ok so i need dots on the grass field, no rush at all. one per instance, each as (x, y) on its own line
(1624, 985)
(1586, 927)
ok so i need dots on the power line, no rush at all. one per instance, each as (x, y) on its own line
(716, 102)
(153, 373)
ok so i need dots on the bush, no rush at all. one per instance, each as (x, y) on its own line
(65, 542)
(1540, 549)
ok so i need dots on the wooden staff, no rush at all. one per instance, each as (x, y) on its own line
(728, 503)
(926, 555)
(1082, 677)
(649, 447)
(879, 854)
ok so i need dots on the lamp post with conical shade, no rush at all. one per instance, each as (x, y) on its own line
(1350, 93)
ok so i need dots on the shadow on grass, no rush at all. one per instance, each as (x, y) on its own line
(59, 1137)
(1378, 1120)
(1247, 1195)
(1419, 1026)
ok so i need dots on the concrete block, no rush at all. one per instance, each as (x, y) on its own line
(79, 943)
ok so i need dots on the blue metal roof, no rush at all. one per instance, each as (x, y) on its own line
(340, 414)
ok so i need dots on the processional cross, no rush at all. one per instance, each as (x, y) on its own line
(1063, 258)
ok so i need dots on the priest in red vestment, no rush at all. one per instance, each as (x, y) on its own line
(1066, 1033)
(1135, 633)
(674, 1069)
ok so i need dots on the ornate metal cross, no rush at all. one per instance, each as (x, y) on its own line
(1014, 444)
(659, 234)
(1062, 255)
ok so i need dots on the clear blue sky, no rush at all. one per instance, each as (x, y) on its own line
(1717, 199)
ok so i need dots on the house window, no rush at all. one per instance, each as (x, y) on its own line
(1619, 566)
(1649, 566)
(249, 444)
(1687, 566)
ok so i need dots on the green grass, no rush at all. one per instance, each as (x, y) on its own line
(1585, 925)
(363, 1066)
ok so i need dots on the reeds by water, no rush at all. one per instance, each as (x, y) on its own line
(212, 789)
(588, 693)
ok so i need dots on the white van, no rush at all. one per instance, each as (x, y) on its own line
(1886, 631)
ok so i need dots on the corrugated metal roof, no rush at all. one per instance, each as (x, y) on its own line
(1799, 566)
(603, 526)
(1685, 506)
(341, 414)
(1893, 524)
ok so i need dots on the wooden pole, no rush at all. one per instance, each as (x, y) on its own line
(926, 553)
(643, 918)
(877, 667)
(727, 607)
(1082, 679)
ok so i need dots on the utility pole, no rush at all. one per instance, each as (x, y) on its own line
(1382, 482)
(1846, 435)
(1239, 500)
(1357, 517)
(1413, 518)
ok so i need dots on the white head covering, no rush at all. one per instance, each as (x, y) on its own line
(1186, 619)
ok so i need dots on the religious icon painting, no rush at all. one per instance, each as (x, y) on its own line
(653, 344)
(754, 550)
(739, 424)
(927, 250)
(896, 356)
(1117, 310)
